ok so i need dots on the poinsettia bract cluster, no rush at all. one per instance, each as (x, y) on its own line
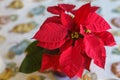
(80, 35)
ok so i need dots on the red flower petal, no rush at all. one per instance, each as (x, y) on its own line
(51, 45)
(67, 7)
(67, 21)
(107, 38)
(54, 19)
(80, 72)
(100, 62)
(96, 23)
(54, 10)
(81, 14)
(66, 45)
(95, 49)
(94, 8)
(71, 60)
(87, 61)
(51, 32)
(50, 62)
(74, 11)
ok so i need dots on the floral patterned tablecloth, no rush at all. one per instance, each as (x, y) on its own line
(33, 12)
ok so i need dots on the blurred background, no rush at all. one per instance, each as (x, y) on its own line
(20, 19)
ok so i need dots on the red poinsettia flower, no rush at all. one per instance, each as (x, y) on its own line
(93, 28)
(80, 37)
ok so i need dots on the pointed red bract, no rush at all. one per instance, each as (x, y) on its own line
(60, 8)
(100, 62)
(82, 14)
(71, 60)
(80, 72)
(87, 62)
(50, 62)
(54, 19)
(67, 7)
(95, 49)
(51, 32)
(94, 8)
(67, 21)
(96, 23)
(54, 10)
(107, 38)
(51, 45)
(66, 45)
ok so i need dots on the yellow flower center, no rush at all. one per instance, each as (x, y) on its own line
(88, 31)
(75, 35)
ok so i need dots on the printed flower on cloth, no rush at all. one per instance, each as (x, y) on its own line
(80, 35)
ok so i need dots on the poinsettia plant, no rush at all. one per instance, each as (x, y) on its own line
(68, 41)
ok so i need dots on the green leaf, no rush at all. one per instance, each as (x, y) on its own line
(32, 61)
(33, 48)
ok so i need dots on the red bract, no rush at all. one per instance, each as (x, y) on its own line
(80, 37)
(50, 62)
(60, 8)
